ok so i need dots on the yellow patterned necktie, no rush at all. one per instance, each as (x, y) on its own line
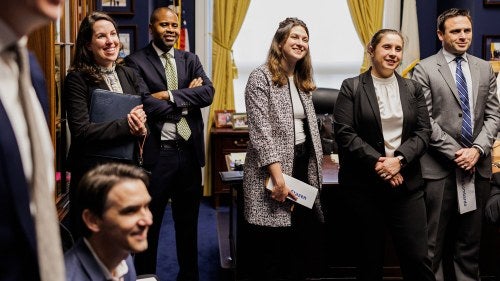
(182, 126)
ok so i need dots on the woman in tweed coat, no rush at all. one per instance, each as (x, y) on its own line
(284, 138)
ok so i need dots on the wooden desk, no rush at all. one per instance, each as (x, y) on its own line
(224, 141)
(230, 223)
(340, 242)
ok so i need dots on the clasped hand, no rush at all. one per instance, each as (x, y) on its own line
(466, 158)
(388, 169)
(137, 121)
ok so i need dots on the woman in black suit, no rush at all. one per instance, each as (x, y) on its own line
(94, 67)
(382, 128)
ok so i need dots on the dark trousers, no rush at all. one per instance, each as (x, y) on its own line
(176, 176)
(288, 253)
(402, 212)
(454, 239)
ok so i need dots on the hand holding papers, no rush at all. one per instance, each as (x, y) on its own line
(306, 194)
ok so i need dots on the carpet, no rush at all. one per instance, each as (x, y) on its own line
(208, 247)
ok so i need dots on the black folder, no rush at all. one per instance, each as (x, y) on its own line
(106, 106)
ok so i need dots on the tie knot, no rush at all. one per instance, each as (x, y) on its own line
(167, 55)
(459, 59)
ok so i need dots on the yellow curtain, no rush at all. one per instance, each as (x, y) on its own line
(228, 18)
(367, 18)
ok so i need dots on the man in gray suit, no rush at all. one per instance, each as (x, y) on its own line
(460, 91)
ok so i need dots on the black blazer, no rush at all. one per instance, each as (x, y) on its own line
(358, 131)
(150, 67)
(86, 135)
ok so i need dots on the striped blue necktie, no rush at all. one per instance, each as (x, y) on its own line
(466, 136)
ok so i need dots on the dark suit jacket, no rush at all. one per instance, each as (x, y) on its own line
(359, 135)
(81, 265)
(38, 81)
(443, 102)
(18, 254)
(85, 136)
(189, 67)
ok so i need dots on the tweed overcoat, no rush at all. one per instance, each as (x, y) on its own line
(272, 139)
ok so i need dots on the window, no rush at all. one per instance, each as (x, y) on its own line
(335, 48)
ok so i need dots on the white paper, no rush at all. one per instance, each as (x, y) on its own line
(335, 158)
(306, 194)
(465, 191)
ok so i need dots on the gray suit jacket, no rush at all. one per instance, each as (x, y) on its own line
(82, 266)
(443, 102)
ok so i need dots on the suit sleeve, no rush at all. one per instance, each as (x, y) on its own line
(491, 123)
(77, 101)
(184, 97)
(156, 110)
(197, 97)
(440, 140)
(346, 133)
(416, 145)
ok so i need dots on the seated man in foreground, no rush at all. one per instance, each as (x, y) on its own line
(115, 212)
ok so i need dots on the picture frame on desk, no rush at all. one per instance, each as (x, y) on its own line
(224, 118)
(491, 50)
(491, 47)
(128, 38)
(487, 3)
(116, 7)
(240, 121)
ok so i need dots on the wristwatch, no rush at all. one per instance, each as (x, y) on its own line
(402, 160)
(477, 147)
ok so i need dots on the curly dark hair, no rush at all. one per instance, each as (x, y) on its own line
(84, 61)
(303, 74)
(94, 187)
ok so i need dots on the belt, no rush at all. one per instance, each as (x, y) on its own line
(173, 144)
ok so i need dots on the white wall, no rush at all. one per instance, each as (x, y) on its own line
(334, 44)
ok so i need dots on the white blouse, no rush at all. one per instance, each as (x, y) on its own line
(391, 112)
(298, 113)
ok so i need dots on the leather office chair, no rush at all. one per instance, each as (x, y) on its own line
(324, 102)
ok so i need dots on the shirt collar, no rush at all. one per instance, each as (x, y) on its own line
(120, 270)
(449, 57)
(107, 70)
(160, 52)
(8, 37)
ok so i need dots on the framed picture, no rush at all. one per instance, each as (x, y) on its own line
(116, 7)
(491, 2)
(491, 47)
(240, 121)
(224, 118)
(128, 38)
